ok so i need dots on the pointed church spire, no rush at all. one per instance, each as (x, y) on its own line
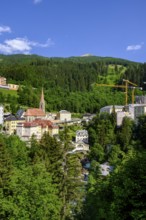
(42, 101)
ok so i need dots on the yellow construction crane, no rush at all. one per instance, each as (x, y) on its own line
(126, 87)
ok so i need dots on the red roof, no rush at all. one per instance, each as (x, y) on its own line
(30, 124)
(42, 123)
(34, 112)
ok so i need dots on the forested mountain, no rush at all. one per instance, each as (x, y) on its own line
(44, 181)
(69, 83)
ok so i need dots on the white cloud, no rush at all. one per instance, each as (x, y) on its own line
(4, 29)
(21, 45)
(134, 47)
(37, 1)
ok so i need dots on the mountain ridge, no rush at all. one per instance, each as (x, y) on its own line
(82, 59)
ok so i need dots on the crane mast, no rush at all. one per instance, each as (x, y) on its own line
(126, 87)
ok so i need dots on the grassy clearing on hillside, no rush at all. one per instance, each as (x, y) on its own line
(7, 91)
(115, 72)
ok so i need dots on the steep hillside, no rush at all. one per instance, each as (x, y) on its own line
(73, 73)
(68, 82)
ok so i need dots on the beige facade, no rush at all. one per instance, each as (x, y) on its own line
(13, 86)
(36, 128)
(64, 115)
(2, 81)
(10, 124)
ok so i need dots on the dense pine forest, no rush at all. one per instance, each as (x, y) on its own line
(43, 180)
(69, 83)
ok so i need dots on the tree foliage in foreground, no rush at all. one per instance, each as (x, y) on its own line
(121, 194)
(44, 181)
(27, 190)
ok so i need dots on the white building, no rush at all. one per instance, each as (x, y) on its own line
(36, 128)
(109, 109)
(105, 169)
(82, 135)
(136, 110)
(1, 114)
(121, 115)
(64, 115)
(140, 99)
(132, 111)
(81, 146)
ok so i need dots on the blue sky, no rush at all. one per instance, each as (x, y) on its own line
(64, 28)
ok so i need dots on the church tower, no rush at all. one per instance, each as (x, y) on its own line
(42, 102)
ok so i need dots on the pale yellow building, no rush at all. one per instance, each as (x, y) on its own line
(10, 124)
(13, 86)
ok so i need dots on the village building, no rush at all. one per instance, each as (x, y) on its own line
(105, 169)
(110, 108)
(121, 115)
(81, 141)
(132, 111)
(88, 117)
(140, 99)
(13, 86)
(64, 116)
(51, 116)
(34, 113)
(2, 81)
(3, 84)
(36, 129)
(81, 146)
(10, 124)
(36, 123)
(82, 135)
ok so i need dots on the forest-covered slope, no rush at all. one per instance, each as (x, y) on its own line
(69, 83)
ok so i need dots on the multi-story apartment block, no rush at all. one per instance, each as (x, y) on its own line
(10, 124)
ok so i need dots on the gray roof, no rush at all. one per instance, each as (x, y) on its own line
(64, 111)
(81, 132)
(19, 113)
(13, 118)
